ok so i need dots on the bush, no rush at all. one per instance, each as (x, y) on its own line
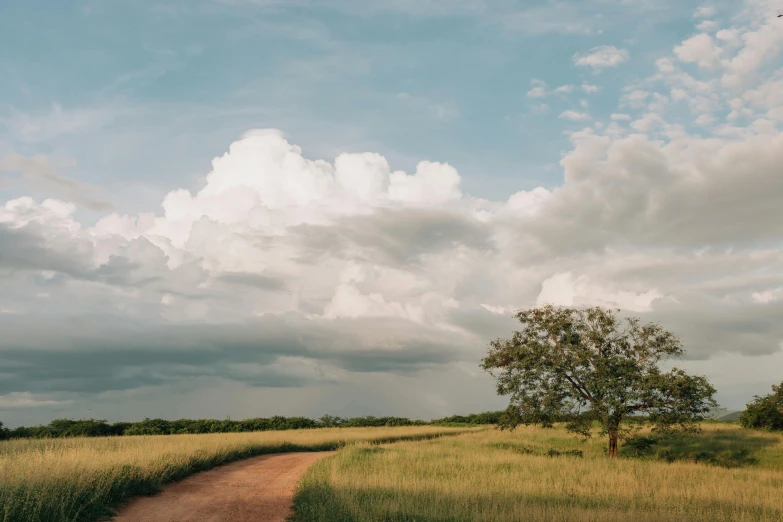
(565, 453)
(488, 417)
(641, 444)
(80, 428)
(149, 427)
(100, 428)
(765, 412)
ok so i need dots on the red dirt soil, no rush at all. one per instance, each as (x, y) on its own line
(260, 489)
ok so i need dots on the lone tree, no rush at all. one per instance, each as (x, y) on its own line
(581, 366)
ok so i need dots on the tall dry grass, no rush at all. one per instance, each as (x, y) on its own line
(492, 475)
(63, 480)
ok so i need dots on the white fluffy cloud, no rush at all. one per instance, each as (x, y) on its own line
(574, 115)
(282, 270)
(602, 57)
(564, 289)
(272, 232)
(539, 89)
(699, 49)
(564, 89)
(761, 44)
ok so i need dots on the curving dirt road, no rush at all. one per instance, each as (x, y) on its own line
(260, 489)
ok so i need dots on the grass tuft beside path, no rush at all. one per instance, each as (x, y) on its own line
(537, 475)
(83, 480)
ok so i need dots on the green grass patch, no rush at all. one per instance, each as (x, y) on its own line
(85, 480)
(545, 475)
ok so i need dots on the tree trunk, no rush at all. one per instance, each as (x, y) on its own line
(612, 444)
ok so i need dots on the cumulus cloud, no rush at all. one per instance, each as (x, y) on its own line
(761, 44)
(768, 296)
(602, 57)
(565, 289)
(699, 49)
(635, 99)
(354, 267)
(344, 275)
(738, 71)
(702, 171)
(729, 36)
(707, 25)
(574, 116)
(538, 89)
(564, 89)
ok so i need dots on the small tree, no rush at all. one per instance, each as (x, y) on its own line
(5, 433)
(581, 366)
(765, 412)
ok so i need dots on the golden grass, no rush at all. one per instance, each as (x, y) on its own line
(82, 479)
(493, 475)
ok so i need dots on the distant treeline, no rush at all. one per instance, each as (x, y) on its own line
(101, 428)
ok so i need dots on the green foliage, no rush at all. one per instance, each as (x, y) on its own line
(5, 433)
(581, 366)
(370, 421)
(330, 421)
(516, 448)
(488, 417)
(65, 428)
(720, 447)
(765, 412)
(567, 453)
(100, 428)
(527, 450)
(119, 428)
(640, 444)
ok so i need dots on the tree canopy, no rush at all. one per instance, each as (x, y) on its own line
(581, 366)
(765, 412)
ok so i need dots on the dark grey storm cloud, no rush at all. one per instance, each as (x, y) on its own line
(260, 281)
(95, 354)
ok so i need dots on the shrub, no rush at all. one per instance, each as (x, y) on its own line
(641, 444)
(100, 428)
(565, 453)
(488, 417)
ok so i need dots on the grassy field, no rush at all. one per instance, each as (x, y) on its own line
(63, 480)
(726, 474)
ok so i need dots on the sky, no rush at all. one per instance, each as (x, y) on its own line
(242, 208)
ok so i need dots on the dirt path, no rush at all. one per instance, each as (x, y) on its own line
(260, 489)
